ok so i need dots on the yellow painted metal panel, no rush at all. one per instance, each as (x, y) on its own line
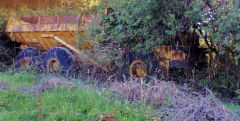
(166, 54)
(34, 38)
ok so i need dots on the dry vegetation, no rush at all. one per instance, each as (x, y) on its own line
(177, 103)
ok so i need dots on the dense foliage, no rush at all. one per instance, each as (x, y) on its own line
(220, 31)
(139, 25)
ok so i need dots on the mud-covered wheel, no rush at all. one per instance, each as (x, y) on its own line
(58, 60)
(28, 56)
(138, 69)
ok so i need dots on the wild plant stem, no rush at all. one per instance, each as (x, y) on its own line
(40, 107)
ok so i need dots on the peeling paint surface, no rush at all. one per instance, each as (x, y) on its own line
(28, 30)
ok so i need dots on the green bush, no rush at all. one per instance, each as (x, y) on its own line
(138, 26)
(143, 24)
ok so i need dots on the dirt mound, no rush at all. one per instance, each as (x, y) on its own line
(175, 103)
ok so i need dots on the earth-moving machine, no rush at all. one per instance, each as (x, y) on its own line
(52, 39)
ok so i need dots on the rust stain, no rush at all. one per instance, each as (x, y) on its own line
(33, 4)
(50, 23)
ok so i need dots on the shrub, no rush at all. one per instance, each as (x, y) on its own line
(137, 26)
(141, 25)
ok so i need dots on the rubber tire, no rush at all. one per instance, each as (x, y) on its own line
(33, 53)
(63, 55)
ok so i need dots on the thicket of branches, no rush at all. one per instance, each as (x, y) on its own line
(139, 25)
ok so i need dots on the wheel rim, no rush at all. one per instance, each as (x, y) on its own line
(53, 65)
(138, 69)
(25, 61)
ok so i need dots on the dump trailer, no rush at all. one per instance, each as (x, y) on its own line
(49, 41)
(54, 35)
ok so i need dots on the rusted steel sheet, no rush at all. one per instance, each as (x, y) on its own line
(34, 39)
(28, 30)
(170, 56)
(33, 4)
(50, 23)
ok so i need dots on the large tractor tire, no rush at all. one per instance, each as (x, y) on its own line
(58, 60)
(138, 69)
(28, 56)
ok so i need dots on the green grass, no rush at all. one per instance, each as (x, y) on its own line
(82, 104)
(234, 108)
(19, 77)
(72, 105)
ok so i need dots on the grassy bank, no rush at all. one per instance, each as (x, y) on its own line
(71, 105)
(76, 100)
(84, 103)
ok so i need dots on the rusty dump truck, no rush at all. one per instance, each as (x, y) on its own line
(52, 39)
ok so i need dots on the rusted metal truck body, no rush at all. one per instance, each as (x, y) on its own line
(29, 30)
(49, 32)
